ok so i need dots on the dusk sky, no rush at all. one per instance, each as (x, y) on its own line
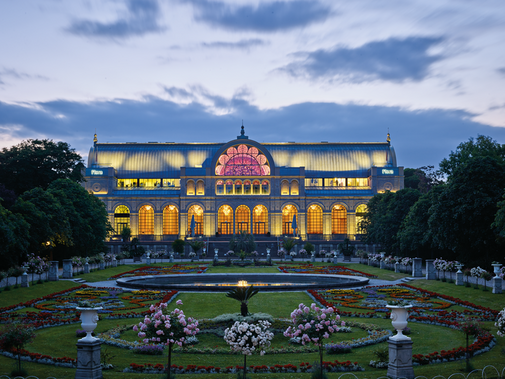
(430, 72)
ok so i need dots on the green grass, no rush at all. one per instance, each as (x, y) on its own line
(21, 295)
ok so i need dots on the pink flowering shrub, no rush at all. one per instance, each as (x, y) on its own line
(313, 325)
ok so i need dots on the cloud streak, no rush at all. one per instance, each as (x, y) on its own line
(141, 18)
(265, 17)
(243, 44)
(394, 60)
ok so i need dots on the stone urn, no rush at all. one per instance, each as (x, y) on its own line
(496, 269)
(89, 318)
(399, 315)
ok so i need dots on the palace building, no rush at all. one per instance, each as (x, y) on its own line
(157, 189)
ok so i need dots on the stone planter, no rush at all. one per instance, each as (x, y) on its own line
(399, 315)
(496, 269)
(89, 317)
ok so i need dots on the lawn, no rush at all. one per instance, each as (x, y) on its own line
(60, 341)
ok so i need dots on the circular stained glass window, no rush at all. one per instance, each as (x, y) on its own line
(242, 160)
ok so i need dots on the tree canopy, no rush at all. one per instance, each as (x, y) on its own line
(37, 163)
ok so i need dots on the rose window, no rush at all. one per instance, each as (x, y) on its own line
(242, 160)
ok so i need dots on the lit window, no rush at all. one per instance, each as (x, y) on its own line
(229, 187)
(338, 220)
(260, 219)
(256, 187)
(265, 187)
(314, 220)
(247, 187)
(287, 218)
(127, 183)
(360, 214)
(149, 183)
(284, 187)
(146, 219)
(219, 187)
(195, 211)
(190, 188)
(225, 220)
(313, 182)
(200, 188)
(242, 219)
(294, 187)
(170, 220)
(238, 187)
(175, 183)
(242, 160)
(121, 218)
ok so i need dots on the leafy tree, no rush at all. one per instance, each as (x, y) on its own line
(7, 197)
(461, 219)
(422, 178)
(346, 248)
(13, 338)
(498, 224)
(14, 234)
(196, 245)
(242, 294)
(37, 163)
(309, 248)
(126, 233)
(483, 146)
(289, 244)
(243, 241)
(178, 246)
(87, 217)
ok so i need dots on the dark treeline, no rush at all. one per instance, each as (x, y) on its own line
(43, 208)
(460, 218)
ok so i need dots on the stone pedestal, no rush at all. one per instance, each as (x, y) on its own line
(86, 268)
(24, 280)
(459, 278)
(400, 359)
(313, 258)
(382, 264)
(497, 284)
(101, 266)
(335, 259)
(88, 360)
(431, 273)
(171, 257)
(417, 267)
(67, 269)
(114, 262)
(148, 261)
(53, 271)
(397, 267)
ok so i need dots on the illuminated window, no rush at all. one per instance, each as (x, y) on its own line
(357, 182)
(238, 187)
(170, 220)
(242, 160)
(175, 183)
(338, 220)
(197, 212)
(219, 187)
(260, 219)
(149, 183)
(225, 220)
(247, 187)
(313, 182)
(127, 183)
(294, 187)
(284, 187)
(256, 187)
(287, 218)
(200, 188)
(314, 219)
(242, 219)
(121, 218)
(146, 219)
(229, 187)
(190, 187)
(360, 214)
(334, 182)
(265, 187)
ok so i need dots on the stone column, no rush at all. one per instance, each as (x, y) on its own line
(335, 258)
(24, 279)
(313, 257)
(497, 284)
(382, 264)
(417, 267)
(114, 262)
(88, 360)
(431, 273)
(459, 276)
(171, 257)
(53, 271)
(67, 269)
(397, 266)
(86, 268)
(101, 266)
(400, 359)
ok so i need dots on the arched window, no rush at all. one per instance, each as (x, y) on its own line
(247, 187)
(190, 187)
(197, 212)
(121, 218)
(238, 187)
(242, 160)
(256, 187)
(284, 187)
(225, 220)
(229, 187)
(265, 187)
(338, 219)
(242, 219)
(260, 219)
(170, 220)
(200, 188)
(295, 188)
(314, 219)
(219, 187)
(287, 218)
(360, 214)
(146, 219)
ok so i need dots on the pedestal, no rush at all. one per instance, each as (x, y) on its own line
(148, 261)
(24, 280)
(335, 260)
(397, 267)
(86, 268)
(88, 360)
(67, 269)
(53, 271)
(114, 263)
(400, 360)
(431, 273)
(382, 264)
(459, 278)
(313, 258)
(171, 258)
(417, 267)
(497, 284)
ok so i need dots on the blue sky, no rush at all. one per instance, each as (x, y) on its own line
(430, 72)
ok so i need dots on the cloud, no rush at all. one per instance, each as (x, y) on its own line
(12, 73)
(395, 60)
(140, 19)
(420, 137)
(243, 44)
(265, 17)
(501, 70)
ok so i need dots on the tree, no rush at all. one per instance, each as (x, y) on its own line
(498, 224)
(87, 217)
(37, 163)
(14, 234)
(483, 146)
(461, 219)
(7, 197)
(178, 246)
(242, 294)
(13, 338)
(243, 241)
(422, 178)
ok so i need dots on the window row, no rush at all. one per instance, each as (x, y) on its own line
(242, 219)
(337, 182)
(239, 187)
(148, 183)
(290, 188)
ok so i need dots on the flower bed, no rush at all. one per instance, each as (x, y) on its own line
(307, 268)
(176, 269)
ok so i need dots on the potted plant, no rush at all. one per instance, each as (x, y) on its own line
(178, 246)
(347, 249)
